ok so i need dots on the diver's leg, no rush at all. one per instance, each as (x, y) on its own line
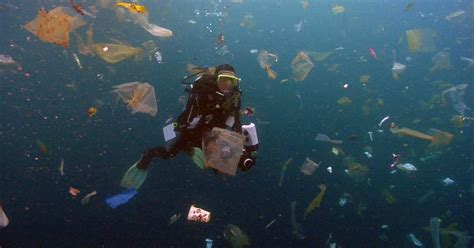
(173, 147)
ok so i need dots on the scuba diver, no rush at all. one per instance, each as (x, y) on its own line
(214, 101)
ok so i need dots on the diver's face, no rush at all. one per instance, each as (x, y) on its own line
(227, 81)
(224, 85)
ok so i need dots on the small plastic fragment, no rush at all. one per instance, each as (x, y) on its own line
(414, 240)
(209, 243)
(174, 218)
(4, 221)
(447, 181)
(87, 198)
(407, 167)
(73, 191)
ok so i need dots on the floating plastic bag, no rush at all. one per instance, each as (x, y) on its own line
(114, 53)
(4, 221)
(421, 40)
(139, 97)
(198, 214)
(54, 26)
(301, 66)
(456, 97)
(397, 69)
(222, 149)
(121, 198)
(441, 61)
(309, 167)
(236, 237)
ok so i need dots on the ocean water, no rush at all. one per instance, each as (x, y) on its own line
(49, 105)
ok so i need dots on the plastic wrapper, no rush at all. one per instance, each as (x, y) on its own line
(398, 69)
(222, 149)
(139, 97)
(4, 221)
(198, 214)
(301, 66)
(316, 202)
(421, 40)
(54, 26)
(236, 237)
(115, 53)
(441, 61)
(455, 96)
(308, 167)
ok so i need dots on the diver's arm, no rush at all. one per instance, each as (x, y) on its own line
(237, 127)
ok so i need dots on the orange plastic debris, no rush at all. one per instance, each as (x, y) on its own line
(73, 191)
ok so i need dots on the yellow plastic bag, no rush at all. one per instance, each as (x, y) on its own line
(421, 40)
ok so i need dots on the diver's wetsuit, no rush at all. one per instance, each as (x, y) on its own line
(206, 108)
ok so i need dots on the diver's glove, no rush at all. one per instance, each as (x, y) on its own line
(247, 160)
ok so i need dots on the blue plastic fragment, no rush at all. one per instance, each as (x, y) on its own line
(122, 198)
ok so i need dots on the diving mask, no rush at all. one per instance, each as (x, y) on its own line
(228, 80)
